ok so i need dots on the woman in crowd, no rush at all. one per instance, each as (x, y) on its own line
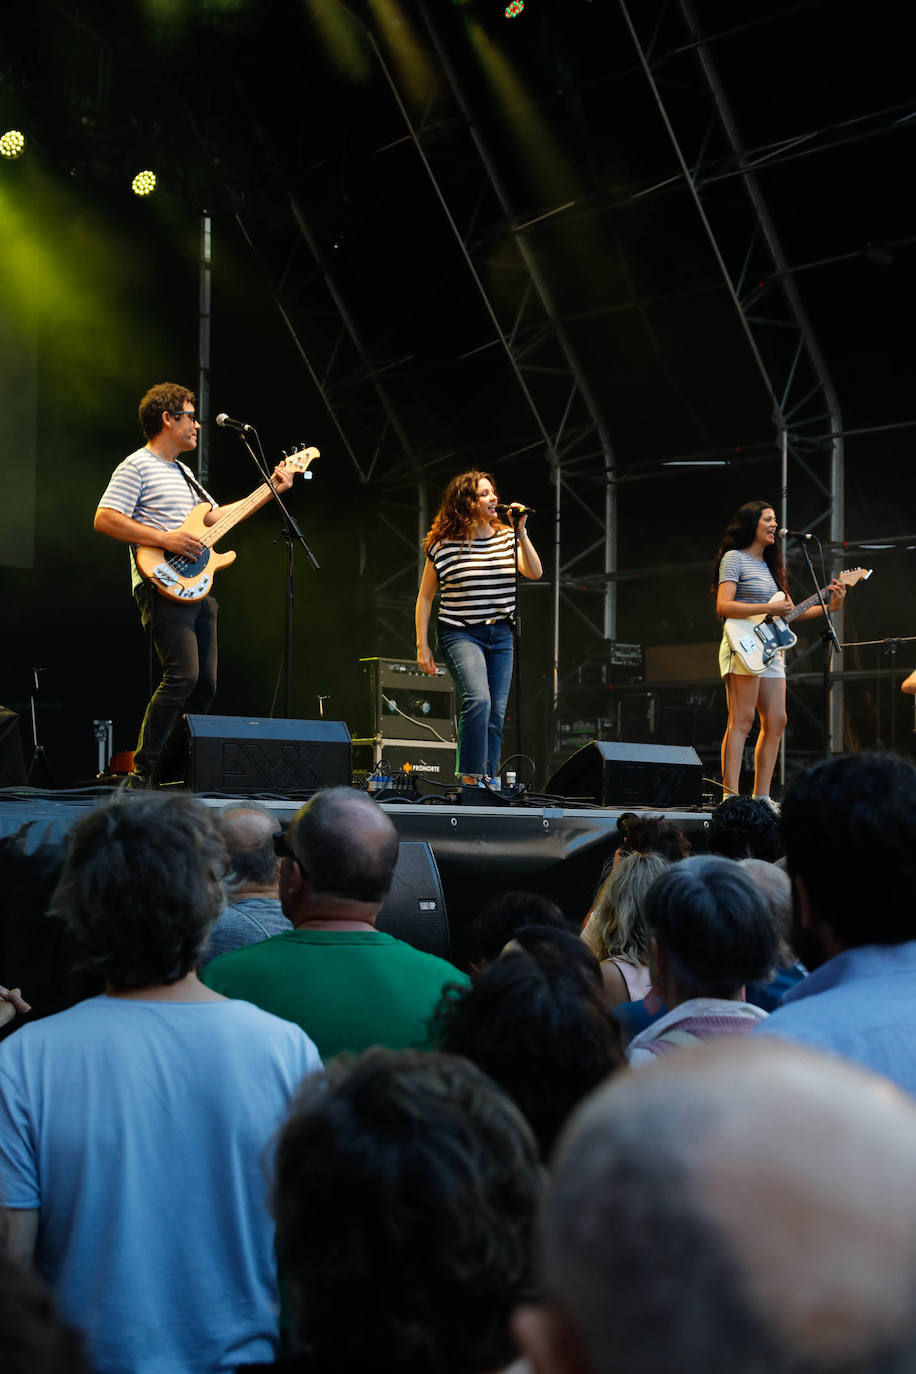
(615, 931)
(469, 562)
(748, 572)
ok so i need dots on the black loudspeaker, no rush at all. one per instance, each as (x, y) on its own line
(414, 909)
(244, 755)
(12, 765)
(622, 775)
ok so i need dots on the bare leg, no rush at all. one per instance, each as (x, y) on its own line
(741, 695)
(771, 705)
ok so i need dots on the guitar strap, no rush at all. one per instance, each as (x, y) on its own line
(193, 482)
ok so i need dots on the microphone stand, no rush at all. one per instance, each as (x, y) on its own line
(830, 642)
(290, 530)
(516, 623)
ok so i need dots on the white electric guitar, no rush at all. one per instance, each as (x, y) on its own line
(757, 639)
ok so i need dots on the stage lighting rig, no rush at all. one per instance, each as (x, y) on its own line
(144, 183)
(12, 143)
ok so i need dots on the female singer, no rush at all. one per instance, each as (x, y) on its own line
(747, 572)
(469, 561)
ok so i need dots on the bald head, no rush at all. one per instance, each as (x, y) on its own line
(746, 1206)
(248, 832)
(346, 845)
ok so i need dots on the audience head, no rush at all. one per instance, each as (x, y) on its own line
(657, 834)
(689, 1227)
(503, 917)
(775, 885)
(536, 1022)
(849, 829)
(616, 928)
(345, 850)
(405, 1194)
(745, 828)
(712, 930)
(547, 944)
(141, 885)
(248, 830)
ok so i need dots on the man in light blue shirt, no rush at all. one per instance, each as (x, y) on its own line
(133, 1126)
(849, 828)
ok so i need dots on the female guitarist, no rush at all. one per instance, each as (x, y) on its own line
(748, 571)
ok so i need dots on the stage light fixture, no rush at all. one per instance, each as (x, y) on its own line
(143, 184)
(12, 143)
(513, 10)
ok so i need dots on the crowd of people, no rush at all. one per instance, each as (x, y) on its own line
(673, 1132)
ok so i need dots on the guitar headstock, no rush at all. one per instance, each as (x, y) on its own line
(851, 576)
(299, 459)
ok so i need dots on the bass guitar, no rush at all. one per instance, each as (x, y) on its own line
(757, 639)
(182, 578)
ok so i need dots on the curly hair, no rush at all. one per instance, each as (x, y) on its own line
(740, 533)
(503, 916)
(616, 928)
(408, 1182)
(141, 885)
(457, 514)
(538, 1023)
(163, 396)
(745, 828)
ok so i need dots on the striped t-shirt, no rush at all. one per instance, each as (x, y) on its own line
(153, 491)
(753, 580)
(476, 578)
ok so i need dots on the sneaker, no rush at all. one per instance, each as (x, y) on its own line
(774, 806)
(135, 782)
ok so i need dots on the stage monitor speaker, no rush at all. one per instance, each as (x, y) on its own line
(244, 755)
(12, 764)
(621, 775)
(414, 909)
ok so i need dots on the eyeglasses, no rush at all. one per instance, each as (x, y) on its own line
(282, 848)
(182, 414)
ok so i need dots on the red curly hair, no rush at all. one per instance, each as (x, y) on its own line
(457, 514)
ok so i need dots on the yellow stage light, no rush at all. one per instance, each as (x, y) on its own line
(143, 184)
(12, 143)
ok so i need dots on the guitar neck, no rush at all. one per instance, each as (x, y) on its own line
(812, 600)
(240, 512)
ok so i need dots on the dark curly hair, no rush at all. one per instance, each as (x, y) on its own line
(141, 885)
(537, 1022)
(740, 533)
(163, 396)
(503, 916)
(406, 1183)
(745, 828)
(456, 516)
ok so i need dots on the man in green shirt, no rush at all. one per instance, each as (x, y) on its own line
(346, 983)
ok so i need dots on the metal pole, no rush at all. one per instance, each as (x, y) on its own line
(203, 348)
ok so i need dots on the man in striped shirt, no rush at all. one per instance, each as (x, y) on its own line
(150, 495)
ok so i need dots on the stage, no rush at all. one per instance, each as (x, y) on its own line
(478, 851)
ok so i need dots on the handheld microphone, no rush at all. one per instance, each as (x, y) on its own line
(225, 422)
(516, 510)
(793, 534)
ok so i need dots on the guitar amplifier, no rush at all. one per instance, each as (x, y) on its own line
(403, 702)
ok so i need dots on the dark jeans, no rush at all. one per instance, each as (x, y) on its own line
(184, 637)
(479, 658)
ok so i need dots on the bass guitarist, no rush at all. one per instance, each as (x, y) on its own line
(747, 572)
(148, 497)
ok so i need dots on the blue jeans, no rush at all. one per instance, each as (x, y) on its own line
(479, 658)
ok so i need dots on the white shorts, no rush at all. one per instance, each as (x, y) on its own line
(729, 662)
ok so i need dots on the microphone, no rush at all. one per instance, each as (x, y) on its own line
(793, 534)
(225, 422)
(516, 510)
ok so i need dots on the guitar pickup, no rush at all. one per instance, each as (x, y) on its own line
(164, 575)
